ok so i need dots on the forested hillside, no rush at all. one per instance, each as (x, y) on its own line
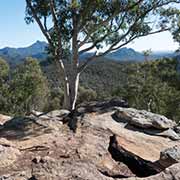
(150, 85)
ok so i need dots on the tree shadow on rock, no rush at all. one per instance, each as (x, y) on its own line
(22, 128)
(72, 120)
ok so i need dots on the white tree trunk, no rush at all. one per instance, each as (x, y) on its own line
(71, 92)
(66, 104)
(74, 91)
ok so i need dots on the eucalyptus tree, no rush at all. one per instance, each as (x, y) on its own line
(98, 26)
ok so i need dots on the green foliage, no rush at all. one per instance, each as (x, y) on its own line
(104, 76)
(4, 70)
(86, 95)
(27, 89)
(55, 99)
(153, 86)
(4, 75)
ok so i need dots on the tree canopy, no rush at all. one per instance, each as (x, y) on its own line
(80, 26)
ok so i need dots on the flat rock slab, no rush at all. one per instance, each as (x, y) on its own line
(144, 119)
(146, 146)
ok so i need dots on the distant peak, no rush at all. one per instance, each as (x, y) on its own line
(37, 42)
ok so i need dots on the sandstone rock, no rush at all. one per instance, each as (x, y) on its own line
(8, 155)
(50, 169)
(171, 173)
(94, 148)
(143, 119)
(23, 127)
(50, 151)
(138, 165)
(170, 156)
(17, 176)
(6, 143)
(169, 133)
(111, 168)
(146, 146)
(177, 129)
(36, 113)
(4, 118)
(57, 113)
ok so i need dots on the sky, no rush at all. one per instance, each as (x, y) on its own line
(16, 33)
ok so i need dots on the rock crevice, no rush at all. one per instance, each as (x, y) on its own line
(42, 147)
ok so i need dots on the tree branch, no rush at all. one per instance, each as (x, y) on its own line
(112, 48)
(105, 36)
(56, 26)
(43, 29)
(106, 21)
(75, 22)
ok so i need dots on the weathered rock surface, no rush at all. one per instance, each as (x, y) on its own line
(144, 119)
(170, 133)
(43, 148)
(170, 156)
(171, 173)
(4, 118)
(57, 113)
(8, 155)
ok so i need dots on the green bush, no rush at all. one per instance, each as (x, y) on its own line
(86, 95)
(26, 90)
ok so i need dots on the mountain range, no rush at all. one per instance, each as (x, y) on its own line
(38, 50)
(17, 55)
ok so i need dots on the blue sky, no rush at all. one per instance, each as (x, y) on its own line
(16, 33)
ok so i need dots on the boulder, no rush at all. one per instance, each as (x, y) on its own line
(143, 119)
(170, 156)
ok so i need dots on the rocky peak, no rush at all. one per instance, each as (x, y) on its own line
(111, 142)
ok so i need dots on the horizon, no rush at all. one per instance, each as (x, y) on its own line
(130, 47)
(22, 35)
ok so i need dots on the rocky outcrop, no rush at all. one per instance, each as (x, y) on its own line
(42, 147)
(4, 118)
(147, 122)
(170, 156)
(144, 119)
